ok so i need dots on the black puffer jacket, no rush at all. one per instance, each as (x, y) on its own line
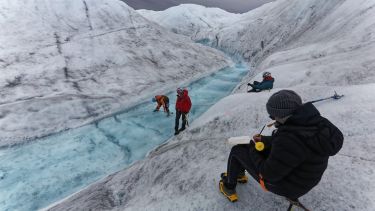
(299, 152)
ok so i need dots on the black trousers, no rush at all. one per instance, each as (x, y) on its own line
(177, 122)
(239, 160)
(166, 104)
(254, 87)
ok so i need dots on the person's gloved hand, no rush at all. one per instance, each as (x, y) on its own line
(257, 138)
(249, 84)
(259, 145)
(156, 110)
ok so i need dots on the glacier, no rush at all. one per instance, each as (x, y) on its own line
(45, 170)
(313, 47)
(66, 63)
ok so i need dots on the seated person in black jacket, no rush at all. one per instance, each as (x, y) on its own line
(295, 156)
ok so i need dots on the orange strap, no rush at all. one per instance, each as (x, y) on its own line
(261, 182)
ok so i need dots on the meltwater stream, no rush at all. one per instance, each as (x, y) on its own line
(35, 175)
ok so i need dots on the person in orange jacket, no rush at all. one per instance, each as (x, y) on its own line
(183, 106)
(161, 100)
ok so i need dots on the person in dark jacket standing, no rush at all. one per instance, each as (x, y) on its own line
(295, 156)
(183, 105)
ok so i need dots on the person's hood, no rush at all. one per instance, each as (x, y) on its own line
(185, 93)
(305, 115)
(319, 134)
(268, 78)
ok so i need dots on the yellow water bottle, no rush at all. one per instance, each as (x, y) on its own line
(259, 146)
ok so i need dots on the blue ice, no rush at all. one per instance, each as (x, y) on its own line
(34, 175)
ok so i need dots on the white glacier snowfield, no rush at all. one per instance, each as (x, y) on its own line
(65, 63)
(313, 47)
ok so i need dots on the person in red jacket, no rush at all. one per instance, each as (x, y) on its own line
(183, 105)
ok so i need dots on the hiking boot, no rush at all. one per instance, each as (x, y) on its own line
(176, 132)
(242, 178)
(181, 129)
(227, 192)
(252, 90)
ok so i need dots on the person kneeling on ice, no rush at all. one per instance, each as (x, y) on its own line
(183, 105)
(161, 100)
(267, 83)
(294, 158)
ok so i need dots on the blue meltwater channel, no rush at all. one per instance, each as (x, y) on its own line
(34, 175)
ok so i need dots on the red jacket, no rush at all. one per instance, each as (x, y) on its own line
(268, 78)
(183, 103)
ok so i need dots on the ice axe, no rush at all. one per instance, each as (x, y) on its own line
(335, 97)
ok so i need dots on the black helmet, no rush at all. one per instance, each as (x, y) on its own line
(265, 74)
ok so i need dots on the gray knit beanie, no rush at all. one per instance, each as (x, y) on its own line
(283, 103)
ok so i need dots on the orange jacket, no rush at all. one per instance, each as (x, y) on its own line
(162, 100)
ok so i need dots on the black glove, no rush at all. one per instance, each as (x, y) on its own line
(249, 84)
